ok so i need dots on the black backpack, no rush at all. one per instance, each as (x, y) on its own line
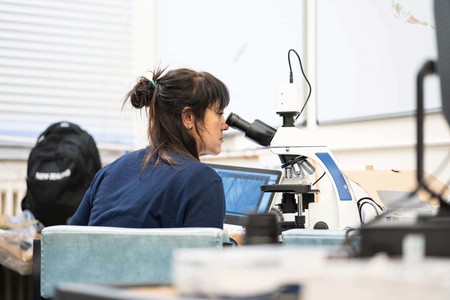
(60, 169)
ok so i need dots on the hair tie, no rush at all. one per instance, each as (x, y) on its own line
(149, 77)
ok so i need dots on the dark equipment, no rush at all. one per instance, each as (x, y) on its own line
(387, 237)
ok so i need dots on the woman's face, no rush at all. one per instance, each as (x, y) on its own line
(212, 133)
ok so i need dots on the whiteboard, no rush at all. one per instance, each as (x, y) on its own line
(368, 55)
(243, 43)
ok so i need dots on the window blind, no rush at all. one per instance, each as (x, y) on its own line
(65, 61)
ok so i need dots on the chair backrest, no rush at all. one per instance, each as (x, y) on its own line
(112, 255)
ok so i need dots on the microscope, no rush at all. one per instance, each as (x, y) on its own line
(302, 157)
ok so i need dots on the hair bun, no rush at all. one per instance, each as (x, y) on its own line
(141, 95)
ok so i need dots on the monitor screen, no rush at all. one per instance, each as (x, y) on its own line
(243, 194)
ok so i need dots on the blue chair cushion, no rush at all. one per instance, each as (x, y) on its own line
(112, 255)
(331, 239)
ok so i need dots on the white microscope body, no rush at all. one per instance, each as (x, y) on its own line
(337, 209)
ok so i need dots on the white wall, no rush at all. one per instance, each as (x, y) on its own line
(385, 144)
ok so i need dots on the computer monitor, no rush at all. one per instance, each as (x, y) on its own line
(243, 194)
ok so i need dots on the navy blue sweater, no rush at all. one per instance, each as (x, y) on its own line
(121, 195)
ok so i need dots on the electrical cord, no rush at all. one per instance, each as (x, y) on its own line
(321, 176)
(367, 200)
(291, 78)
(371, 204)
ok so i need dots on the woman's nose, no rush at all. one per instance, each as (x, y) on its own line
(225, 126)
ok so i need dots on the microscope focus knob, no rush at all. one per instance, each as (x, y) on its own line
(321, 225)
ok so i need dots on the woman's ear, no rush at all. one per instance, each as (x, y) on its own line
(187, 117)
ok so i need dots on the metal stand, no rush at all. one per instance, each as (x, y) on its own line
(428, 68)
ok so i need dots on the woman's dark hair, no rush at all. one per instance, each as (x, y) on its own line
(165, 97)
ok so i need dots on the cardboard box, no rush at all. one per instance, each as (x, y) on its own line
(379, 183)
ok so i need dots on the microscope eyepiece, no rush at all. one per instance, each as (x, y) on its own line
(258, 131)
(237, 122)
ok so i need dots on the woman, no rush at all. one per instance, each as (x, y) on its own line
(165, 184)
